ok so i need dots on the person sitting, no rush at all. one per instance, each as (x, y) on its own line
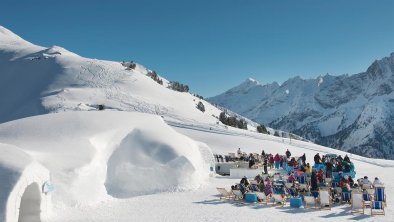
(245, 181)
(302, 168)
(366, 184)
(268, 188)
(295, 188)
(261, 186)
(317, 158)
(293, 162)
(351, 181)
(345, 184)
(377, 182)
(258, 178)
(308, 168)
(291, 178)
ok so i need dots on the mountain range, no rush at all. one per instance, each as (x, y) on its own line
(354, 113)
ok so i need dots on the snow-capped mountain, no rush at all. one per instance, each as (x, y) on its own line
(38, 80)
(354, 113)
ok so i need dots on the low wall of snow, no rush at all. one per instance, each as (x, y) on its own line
(17, 172)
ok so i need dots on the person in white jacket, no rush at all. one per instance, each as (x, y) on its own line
(377, 182)
(366, 184)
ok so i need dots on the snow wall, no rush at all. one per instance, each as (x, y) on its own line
(22, 180)
(93, 156)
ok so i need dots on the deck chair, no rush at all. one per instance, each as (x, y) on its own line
(377, 208)
(325, 199)
(371, 192)
(310, 200)
(288, 185)
(346, 196)
(279, 199)
(328, 181)
(380, 194)
(224, 194)
(367, 200)
(238, 195)
(315, 194)
(357, 202)
(302, 179)
(308, 180)
(262, 198)
(303, 186)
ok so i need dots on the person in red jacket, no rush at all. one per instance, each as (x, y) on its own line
(319, 175)
(277, 160)
(345, 184)
(271, 161)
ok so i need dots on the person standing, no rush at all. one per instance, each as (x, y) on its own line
(277, 161)
(288, 154)
(265, 164)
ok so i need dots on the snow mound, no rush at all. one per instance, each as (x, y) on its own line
(95, 155)
(147, 162)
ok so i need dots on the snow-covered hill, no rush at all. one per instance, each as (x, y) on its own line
(352, 113)
(37, 80)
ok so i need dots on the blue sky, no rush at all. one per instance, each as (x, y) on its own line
(212, 45)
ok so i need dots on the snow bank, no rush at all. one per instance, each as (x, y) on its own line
(148, 161)
(93, 154)
(18, 171)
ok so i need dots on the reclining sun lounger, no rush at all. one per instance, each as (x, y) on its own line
(224, 194)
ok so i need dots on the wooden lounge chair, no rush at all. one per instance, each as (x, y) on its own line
(279, 199)
(310, 200)
(238, 195)
(263, 199)
(346, 197)
(325, 200)
(380, 194)
(367, 200)
(377, 208)
(224, 194)
(357, 202)
(288, 185)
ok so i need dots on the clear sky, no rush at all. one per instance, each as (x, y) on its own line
(212, 45)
